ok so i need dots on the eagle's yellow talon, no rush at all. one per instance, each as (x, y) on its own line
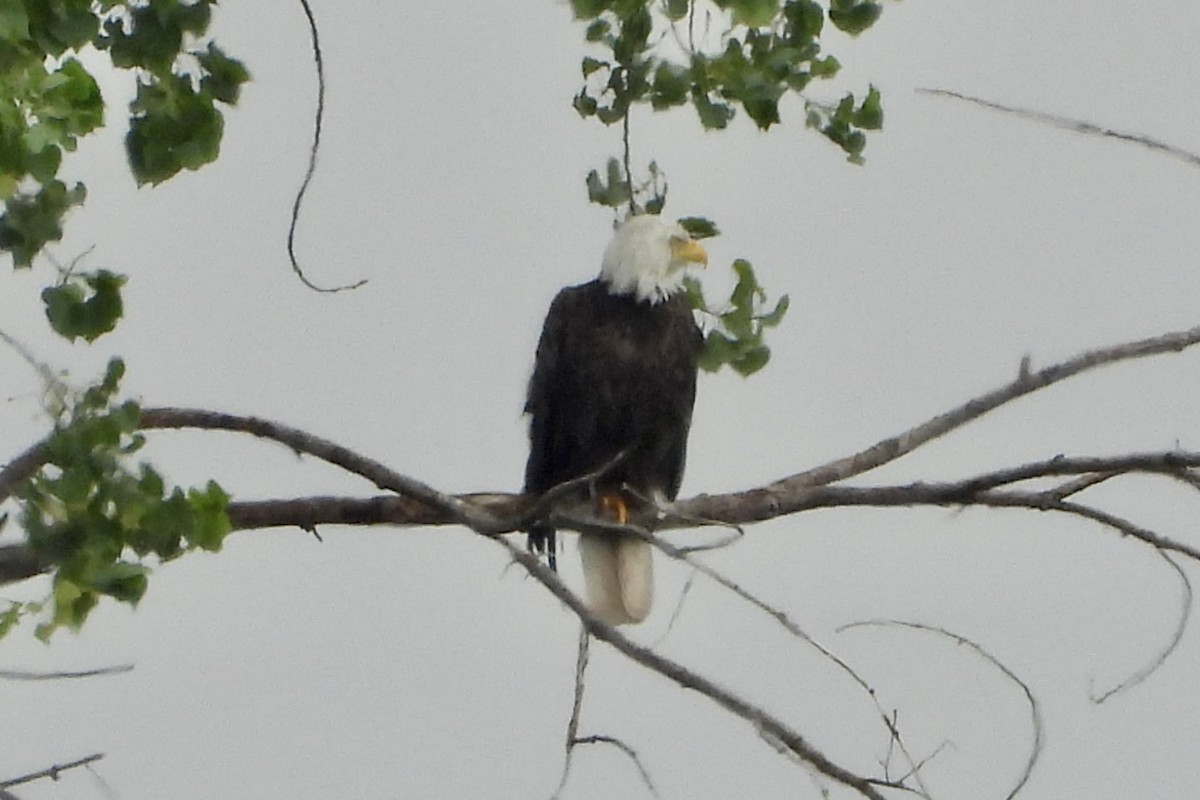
(615, 505)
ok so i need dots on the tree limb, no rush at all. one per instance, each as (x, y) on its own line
(1035, 713)
(1026, 382)
(687, 679)
(1074, 125)
(50, 772)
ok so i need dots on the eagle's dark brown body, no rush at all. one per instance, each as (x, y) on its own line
(612, 374)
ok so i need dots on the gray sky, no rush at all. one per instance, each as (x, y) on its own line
(415, 663)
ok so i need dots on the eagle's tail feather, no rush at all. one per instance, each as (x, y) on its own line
(619, 575)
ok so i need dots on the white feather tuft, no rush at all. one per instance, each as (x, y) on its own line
(619, 575)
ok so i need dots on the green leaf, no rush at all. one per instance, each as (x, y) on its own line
(75, 311)
(677, 9)
(699, 227)
(152, 42)
(752, 360)
(590, 65)
(58, 26)
(588, 9)
(694, 292)
(615, 192)
(597, 30)
(224, 75)
(669, 87)
(854, 16)
(777, 314)
(31, 222)
(209, 508)
(9, 617)
(825, 67)
(636, 26)
(870, 114)
(713, 115)
(72, 101)
(123, 581)
(718, 351)
(14, 27)
(173, 128)
(804, 21)
(584, 104)
(754, 13)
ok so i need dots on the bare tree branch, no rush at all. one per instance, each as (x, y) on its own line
(1026, 382)
(23, 675)
(1185, 615)
(1074, 125)
(318, 117)
(688, 679)
(581, 662)
(794, 629)
(50, 772)
(1035, 713)
(382, 476)
(627, 750)
(18, 562)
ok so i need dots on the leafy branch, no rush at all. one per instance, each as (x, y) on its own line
(747, 53)
(96, 519)
(49, 100)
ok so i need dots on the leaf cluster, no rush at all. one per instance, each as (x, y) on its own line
(48, 100)
(85, 305)
(736, 334)
(649, 53)
(616, 191)
(95, 519)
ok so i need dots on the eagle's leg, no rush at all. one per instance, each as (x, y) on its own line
(614, 505)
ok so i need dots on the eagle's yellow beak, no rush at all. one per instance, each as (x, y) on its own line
(689, 250)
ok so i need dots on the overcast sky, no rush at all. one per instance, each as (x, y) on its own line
(391, 663)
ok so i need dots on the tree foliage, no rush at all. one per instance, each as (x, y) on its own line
(49, 99)
(93, 515)
(721, 56)
(96, 517)
(89, 512)
(717, 57)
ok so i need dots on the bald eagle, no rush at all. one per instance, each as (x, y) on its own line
(614, 382)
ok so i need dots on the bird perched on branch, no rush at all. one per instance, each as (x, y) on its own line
(611, 395)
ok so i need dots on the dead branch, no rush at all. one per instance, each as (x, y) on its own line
(50, 772)
(1074, 125)
(1185, 616)
(688, 679)
(23, 675)
(1035, 713)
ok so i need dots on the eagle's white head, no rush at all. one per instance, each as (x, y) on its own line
(647, 256)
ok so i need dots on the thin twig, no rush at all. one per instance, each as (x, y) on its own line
(326, 450)
(784, 620)
(625, 153)
(1027, 382)
(1074, 125)
(22, 675)
(688, 679)
(1035, 713)
(1075, 486)
(627, 750)
(1185, 615)
(1045, 502)
(54, 386)
(581, 661)
(318, 117)
(50, 772)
